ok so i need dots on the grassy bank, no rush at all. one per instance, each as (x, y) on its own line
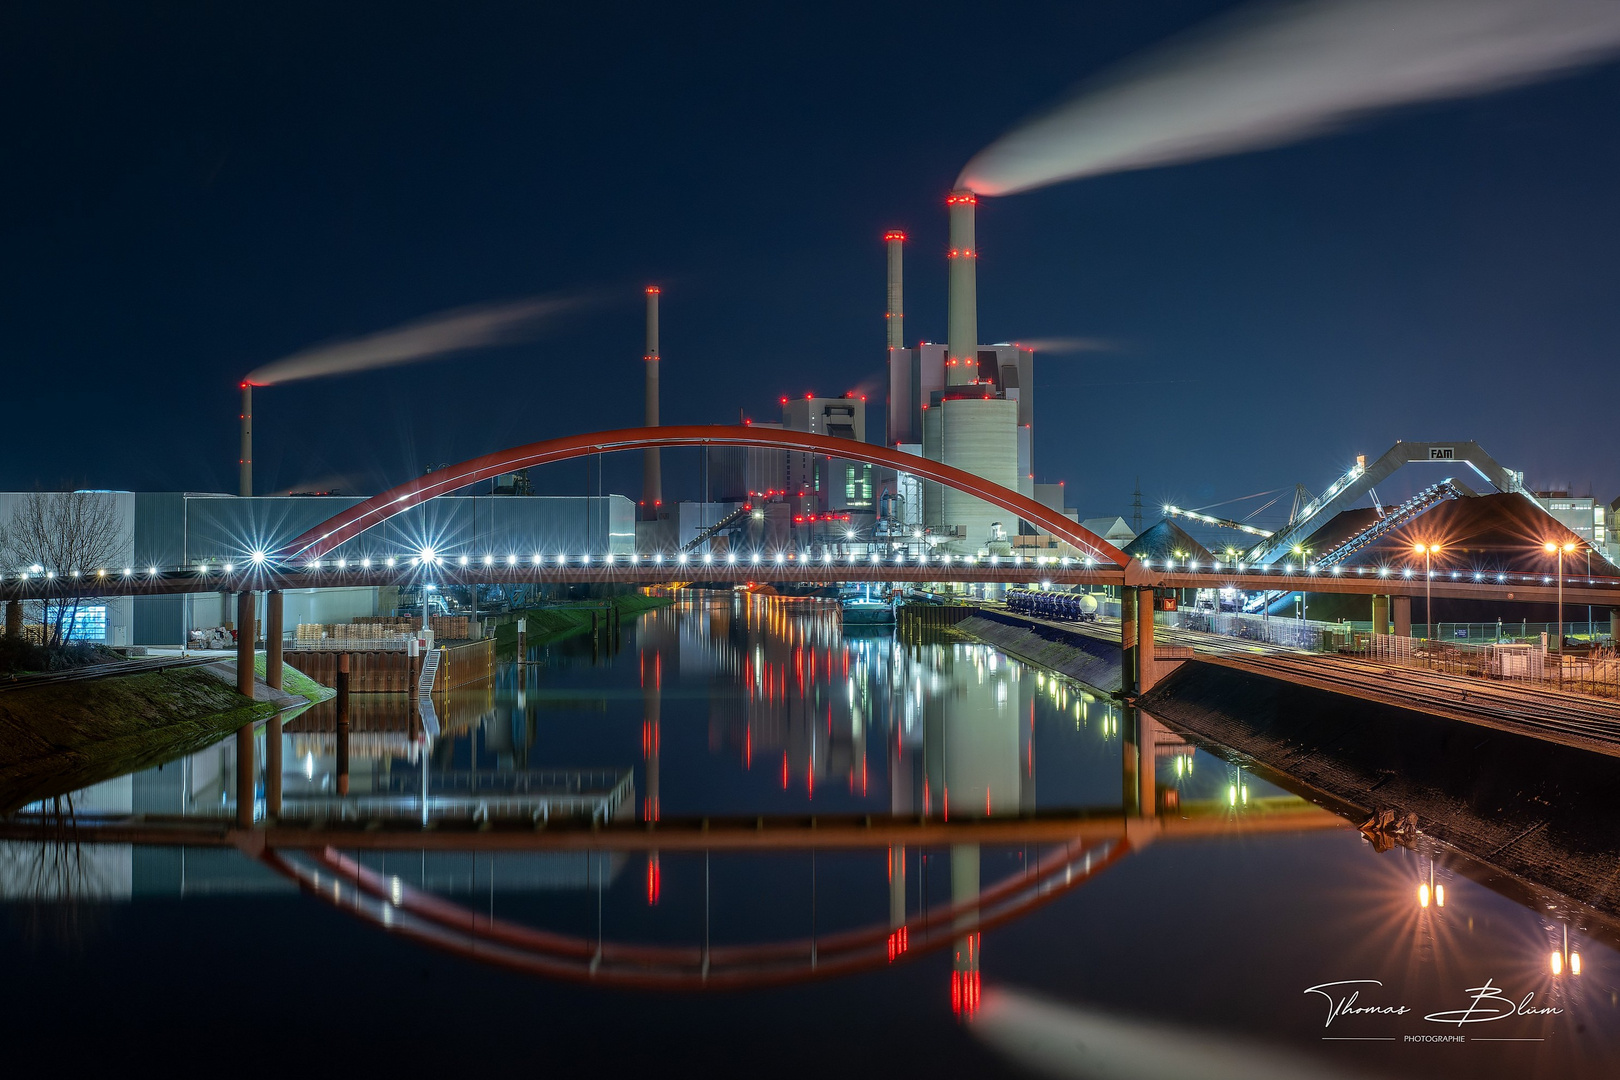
(66, 736)
(294, 681)
(554, 623)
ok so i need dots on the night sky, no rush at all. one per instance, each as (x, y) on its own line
(191, 191)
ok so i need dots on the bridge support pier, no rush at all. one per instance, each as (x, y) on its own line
(272, 639)
(244, 643)
(1147, 673)
(1402, 611)
(1127, 640)
(1614, 626)
(1147, 741)
(13, 618)
(272, 766)
(245, 776)
(1380, 615)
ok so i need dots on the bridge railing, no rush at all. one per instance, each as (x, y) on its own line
(1288, 633)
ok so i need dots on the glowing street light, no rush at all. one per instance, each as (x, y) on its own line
(1566, 548)
(1428, 551)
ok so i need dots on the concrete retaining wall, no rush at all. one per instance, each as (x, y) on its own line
(1093, 662)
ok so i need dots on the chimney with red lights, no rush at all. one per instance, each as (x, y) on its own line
(896, 317)
(652, 486)
(962, 360)
(245, 462)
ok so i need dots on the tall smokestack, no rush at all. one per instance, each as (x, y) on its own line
(245, 462)
(897, 309)
(962, 359)
(652, 480)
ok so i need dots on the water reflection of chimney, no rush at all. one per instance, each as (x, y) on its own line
(651, 707)
(343, 723)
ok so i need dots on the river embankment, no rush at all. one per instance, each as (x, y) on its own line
(554, 622)
(1538, 815)
(61, 736)
(1537, 811)
(1086, 659)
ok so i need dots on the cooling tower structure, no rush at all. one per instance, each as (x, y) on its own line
(245, 462)
(978, 435)
(652, 482)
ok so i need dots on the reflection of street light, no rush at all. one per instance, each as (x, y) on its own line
(1428, 551)
(1563, 958)
(1566, 548)
(1429, 890)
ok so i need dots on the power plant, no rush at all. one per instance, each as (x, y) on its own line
(961, 403)
(965, 404)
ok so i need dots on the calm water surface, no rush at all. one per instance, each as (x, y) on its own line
(1185, 943)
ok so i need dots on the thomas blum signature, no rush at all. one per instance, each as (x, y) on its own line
(1485, 1003)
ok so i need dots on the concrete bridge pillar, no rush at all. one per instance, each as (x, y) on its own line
(1127, 640)
(245, 776)
(1130, 761)
(1147, 673)
(244, 644)
(1402, 606)
(1380, 614)
(272, 639)
(1147, 742)
(13, 618)
(1614, 625)
(272, 766)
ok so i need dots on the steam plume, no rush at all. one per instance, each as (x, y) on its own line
(1277, 72)
(453, 331)
(1061, 346)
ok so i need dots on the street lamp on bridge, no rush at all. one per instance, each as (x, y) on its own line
(1428, 551)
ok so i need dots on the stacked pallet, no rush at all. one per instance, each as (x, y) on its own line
(349, 634)
(444, 627)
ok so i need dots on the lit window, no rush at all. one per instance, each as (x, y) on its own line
(86, 624)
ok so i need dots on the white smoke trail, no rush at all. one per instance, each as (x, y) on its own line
(1274, 73)
(465, 328)
(1064, 346)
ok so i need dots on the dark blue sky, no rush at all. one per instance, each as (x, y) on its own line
(191, 191)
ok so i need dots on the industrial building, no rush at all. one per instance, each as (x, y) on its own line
(963, 403)
(169, 529)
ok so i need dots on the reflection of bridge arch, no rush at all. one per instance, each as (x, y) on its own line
(391, 904)
(379, 508)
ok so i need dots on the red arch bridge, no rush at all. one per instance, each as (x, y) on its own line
(333, 554)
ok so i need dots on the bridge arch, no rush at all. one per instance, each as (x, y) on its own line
(404, 910)
(345, 526)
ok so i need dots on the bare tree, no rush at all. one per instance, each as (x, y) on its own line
(71, 534)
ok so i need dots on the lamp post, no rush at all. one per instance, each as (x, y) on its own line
(1428, 551)
(1304, 554)
(1566, 548)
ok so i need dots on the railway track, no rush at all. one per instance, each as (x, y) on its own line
(1576, 720)
(1586, 723)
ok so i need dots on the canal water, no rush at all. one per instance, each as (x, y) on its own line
(1210, 923)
